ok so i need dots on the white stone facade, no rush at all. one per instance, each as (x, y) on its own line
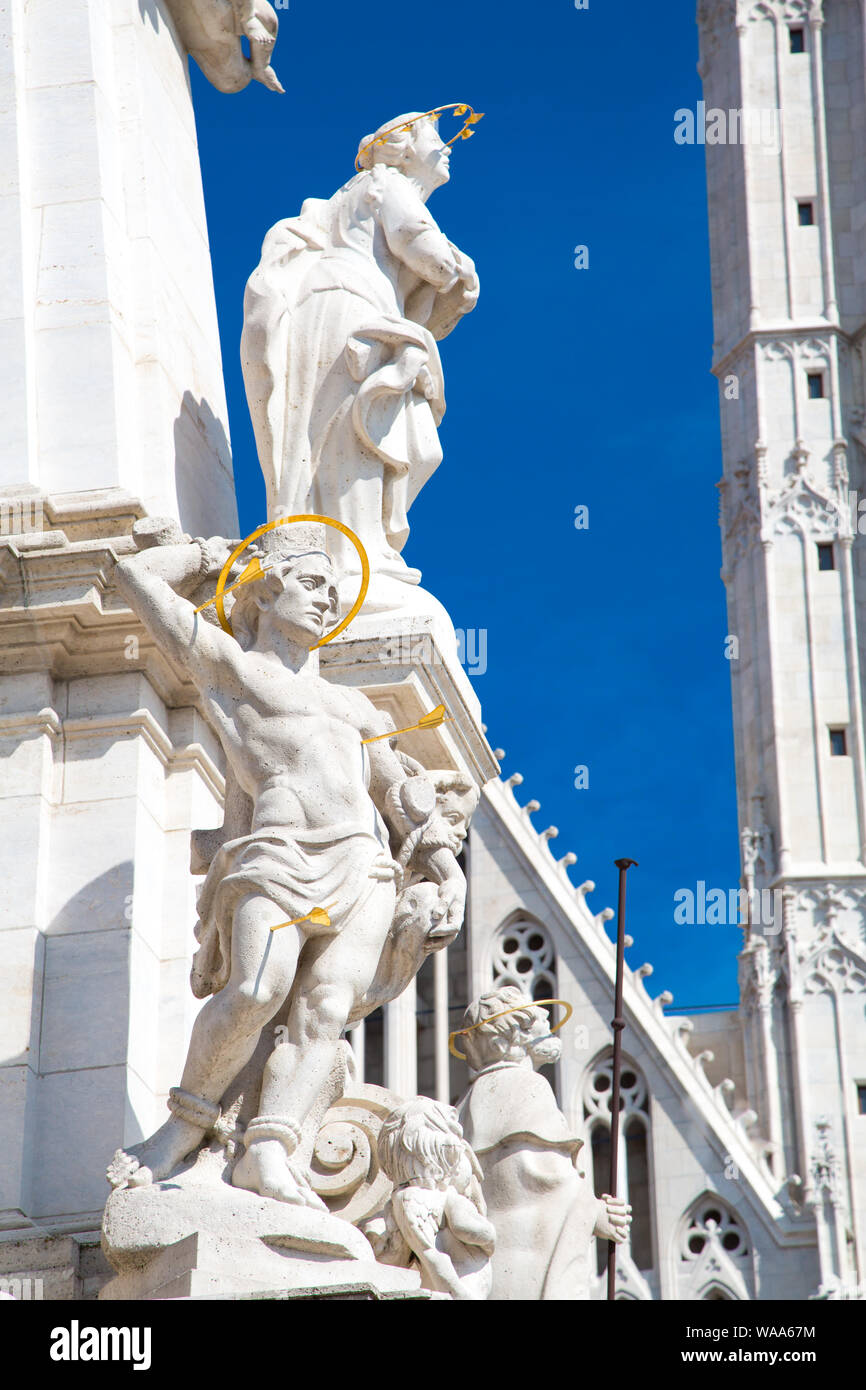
(112, 368)
(113, 407)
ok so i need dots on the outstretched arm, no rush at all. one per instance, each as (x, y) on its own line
(153, 583)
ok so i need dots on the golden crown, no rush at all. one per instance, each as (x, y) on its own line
(459, 109)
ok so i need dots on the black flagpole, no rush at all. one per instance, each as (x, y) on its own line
(617, 1023)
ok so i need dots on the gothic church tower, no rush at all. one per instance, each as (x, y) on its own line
(785, 128)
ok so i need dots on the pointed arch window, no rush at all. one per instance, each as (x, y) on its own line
(634, 1148)
(523, 954)
(714, 1252)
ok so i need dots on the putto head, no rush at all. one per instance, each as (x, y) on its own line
(422, 1142)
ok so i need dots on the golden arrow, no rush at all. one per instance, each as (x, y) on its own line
(432, 720)
(319, 916)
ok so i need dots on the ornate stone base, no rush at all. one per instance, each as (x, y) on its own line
(192, 1237)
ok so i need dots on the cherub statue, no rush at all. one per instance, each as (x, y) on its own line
(435, 1219)
(543, 1209)
(211, 31)
(339, 346)
(326, 817)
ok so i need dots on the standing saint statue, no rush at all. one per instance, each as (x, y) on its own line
(339, 346)
(299, 911)
(543, 1209)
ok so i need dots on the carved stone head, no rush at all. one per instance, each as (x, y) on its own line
(298, 590)
(417, 149)
(456, 800)
(422, 1142)
(512, 1038)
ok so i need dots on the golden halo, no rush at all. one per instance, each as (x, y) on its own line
(285, 521)
(517, 1008)
(460, 108)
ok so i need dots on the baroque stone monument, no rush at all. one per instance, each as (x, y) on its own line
(325, 792)
(337, 826)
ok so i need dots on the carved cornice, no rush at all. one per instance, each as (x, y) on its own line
(780, 12)
(810, 349)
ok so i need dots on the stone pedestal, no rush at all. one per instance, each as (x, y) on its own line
(196, 1237)
(211, 1266)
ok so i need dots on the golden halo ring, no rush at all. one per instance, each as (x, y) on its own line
(460, 108)
(516, 1009)
(285, 521)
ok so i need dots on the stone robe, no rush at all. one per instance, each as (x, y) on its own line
(341, 367)
(543, 1211)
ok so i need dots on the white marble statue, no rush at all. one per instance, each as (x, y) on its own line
(331, 823)
(436, 1219)
(341, 321)
(544, 1211)
(211, 31)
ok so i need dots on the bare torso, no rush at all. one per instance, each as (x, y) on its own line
(294, 744)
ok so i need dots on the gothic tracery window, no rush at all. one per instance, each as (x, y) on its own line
(713, 1219)
(714, 1253)
(634, 1148)
(523, 955)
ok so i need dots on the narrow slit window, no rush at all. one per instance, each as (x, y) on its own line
(798, 39)
(838, 744)
(861, 1097)
(826, 556)
(806, 212)
(816, 385)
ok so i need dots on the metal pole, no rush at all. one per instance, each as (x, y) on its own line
(617, 1023)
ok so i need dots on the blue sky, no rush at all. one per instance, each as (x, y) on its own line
(605, 647)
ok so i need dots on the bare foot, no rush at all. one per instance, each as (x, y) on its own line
(269, 78)
(265, 1168)
(154, 1158)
